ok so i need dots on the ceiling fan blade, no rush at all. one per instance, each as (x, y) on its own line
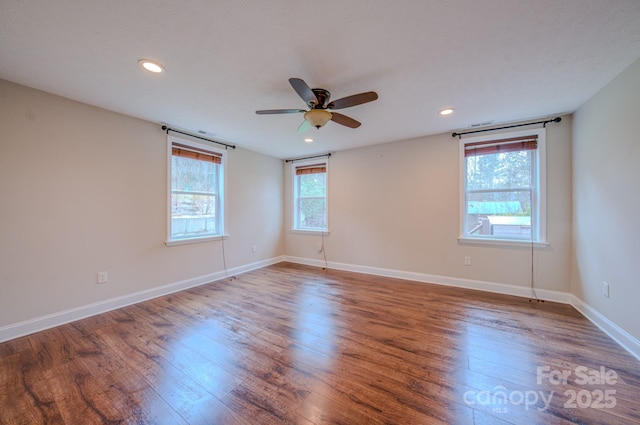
(353, 100)
(344, 120)
(304, 91)
(306, 125)
(279, 111)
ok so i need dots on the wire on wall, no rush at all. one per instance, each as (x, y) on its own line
(533, 289)
(324, 252)
(224, 260)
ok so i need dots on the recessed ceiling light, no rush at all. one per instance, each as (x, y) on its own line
(151, 65)
(308, 140)
(446, 111)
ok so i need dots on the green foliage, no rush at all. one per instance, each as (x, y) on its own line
(312, 185)
(499, 171)
(194, 186)
(312, 202)
(189, 174)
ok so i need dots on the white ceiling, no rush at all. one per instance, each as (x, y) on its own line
(492, 60)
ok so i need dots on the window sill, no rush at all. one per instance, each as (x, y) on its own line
(502, 242)
(188, 241)
(310, 232)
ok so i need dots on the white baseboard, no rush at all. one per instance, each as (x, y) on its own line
(499, 288)
(619, 335)
(622, 337)
(27, 327)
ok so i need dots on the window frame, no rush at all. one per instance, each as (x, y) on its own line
(171, 140)
(295, 228)
(539, 201)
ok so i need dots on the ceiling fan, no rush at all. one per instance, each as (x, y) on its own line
(320, 109)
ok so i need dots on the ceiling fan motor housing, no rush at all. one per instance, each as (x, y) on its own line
(323, 98)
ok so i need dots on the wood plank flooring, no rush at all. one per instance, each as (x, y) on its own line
(291, 344)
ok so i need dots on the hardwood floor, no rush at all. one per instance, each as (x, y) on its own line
(296, 344)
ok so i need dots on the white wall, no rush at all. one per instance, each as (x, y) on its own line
(396, 206)
(606, 212)
(83, 190)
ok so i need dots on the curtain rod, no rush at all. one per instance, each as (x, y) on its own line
(544, 123)
(308, 157)
(168, 129)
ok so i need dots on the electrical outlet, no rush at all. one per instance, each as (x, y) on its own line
(254, 249)
(103, 277)
(467, 261)
(319, 247)
(605, 289)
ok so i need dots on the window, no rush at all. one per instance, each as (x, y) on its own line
(503, 198)
(310, 196)
(196, 183)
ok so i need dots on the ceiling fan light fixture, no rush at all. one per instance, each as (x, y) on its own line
(317, 117)
(151, 66)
